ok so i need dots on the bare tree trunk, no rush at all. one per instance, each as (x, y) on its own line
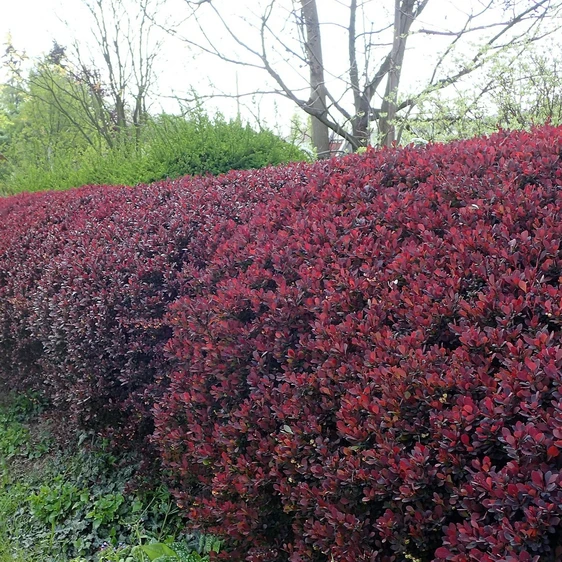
(320, 135)
(372, 73)
(362, 105)
(403, 17)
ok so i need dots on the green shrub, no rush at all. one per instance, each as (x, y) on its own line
(167, 147)
(200, 145)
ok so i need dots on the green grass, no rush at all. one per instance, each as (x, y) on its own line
(71, 502)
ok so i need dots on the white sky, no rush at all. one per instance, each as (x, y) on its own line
(33, 24)
(30, 22)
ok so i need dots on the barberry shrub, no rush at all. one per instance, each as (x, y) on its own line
(369, 368)
(357, 359)
(85, 279)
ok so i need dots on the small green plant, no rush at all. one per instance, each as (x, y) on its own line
(13, 439)
(194, 548)
(54, 503)
(105, 509)
(16, 439)
(157, 551)
(73, 504)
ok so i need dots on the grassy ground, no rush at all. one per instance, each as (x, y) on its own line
(73, 503)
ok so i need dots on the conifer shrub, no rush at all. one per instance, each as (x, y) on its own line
(199, 145)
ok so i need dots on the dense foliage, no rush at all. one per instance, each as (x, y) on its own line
(372, 365)
(74, 502)
(86, 276)
(38, 158)
(352, 360)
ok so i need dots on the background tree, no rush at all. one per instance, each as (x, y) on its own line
(314, 57)
(517, 91)
(10, 95)
(56, 134)
(116, 63)
(80, 101)
(105, 76)
(55, 123)
(360, 99)
(125, 37)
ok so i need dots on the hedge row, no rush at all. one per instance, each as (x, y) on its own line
(85, 279)
(370, 368)
(358, 359)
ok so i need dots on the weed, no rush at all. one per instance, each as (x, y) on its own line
(74, 505)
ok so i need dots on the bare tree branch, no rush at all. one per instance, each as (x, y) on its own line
(344, 100)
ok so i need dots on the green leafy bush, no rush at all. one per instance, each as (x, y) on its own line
(167, 147)
(75, 503)
(200, 145)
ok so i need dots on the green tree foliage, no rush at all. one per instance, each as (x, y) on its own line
(10, 99)
(53, 117)
(55, 133)
(49, 118)
(515, 92)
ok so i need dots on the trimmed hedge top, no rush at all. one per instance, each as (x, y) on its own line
(352, 360)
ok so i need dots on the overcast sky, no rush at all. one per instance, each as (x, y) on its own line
(33, 24)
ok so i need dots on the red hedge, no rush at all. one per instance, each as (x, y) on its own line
(354, 360)
(370, 368)
(86, 276)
